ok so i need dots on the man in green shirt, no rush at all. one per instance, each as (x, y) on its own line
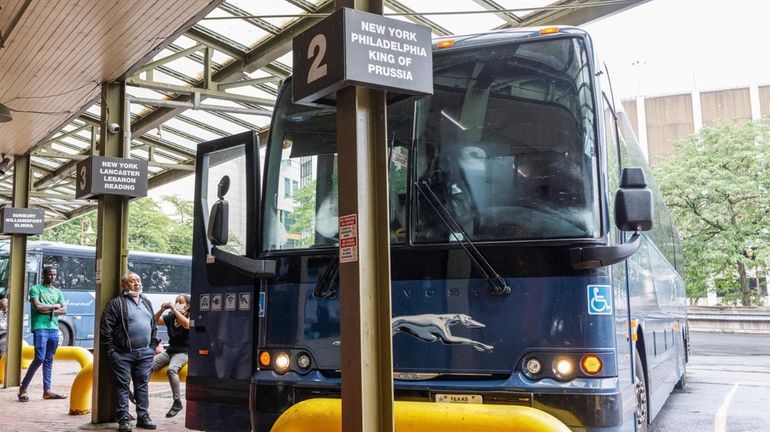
(46, 304)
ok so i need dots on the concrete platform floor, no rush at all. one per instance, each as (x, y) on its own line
(39, 415)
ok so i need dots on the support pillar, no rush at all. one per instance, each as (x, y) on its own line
(17, 269)
(111, 247)
(365, 304)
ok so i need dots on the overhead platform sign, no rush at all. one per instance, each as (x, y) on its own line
(352, 47)
(102, 175)
(22, 221)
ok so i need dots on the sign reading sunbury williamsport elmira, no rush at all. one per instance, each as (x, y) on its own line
(102, 175)
(352, 47)
(21, 221)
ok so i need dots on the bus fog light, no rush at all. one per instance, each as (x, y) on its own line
(281, 362)
(303, 360)
(563, 368)
(533, 366)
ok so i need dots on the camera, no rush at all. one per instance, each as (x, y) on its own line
(113, 128)
(5, 163)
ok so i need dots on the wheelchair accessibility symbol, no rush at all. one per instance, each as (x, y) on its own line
(599, 300)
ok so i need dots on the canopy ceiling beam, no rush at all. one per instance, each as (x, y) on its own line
(417, 18)
(492, 5)
(258, 58)
(576, 15)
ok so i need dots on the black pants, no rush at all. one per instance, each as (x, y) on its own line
(137, 366)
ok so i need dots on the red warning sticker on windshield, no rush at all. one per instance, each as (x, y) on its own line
(349, 238)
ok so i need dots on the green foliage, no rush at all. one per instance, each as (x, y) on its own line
(716, 185)
(149, 228)
(303, 215)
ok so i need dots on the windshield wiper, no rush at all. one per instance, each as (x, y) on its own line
(328, 281)
(496, 283)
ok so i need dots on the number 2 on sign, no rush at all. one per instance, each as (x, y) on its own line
(316, 51)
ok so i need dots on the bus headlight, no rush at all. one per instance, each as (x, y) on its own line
(533, 366)
(303, 360)
(281, 363)
(564, 368)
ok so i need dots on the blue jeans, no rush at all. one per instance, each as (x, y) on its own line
(135, 365)
(46, 342)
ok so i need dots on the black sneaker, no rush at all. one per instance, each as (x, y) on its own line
(125, 425)
(145, 422)
(175, 408)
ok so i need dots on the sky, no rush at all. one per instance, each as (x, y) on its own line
(668, 47)
(672, 46)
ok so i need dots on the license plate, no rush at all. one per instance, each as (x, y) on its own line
(459, 398)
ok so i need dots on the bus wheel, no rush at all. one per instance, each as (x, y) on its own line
(65, 335)
(640, 387)
(682, 380)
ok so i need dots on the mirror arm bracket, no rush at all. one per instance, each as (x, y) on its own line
(592, 257)
(258, 269)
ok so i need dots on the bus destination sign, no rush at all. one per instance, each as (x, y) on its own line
(102, 175)
(22, 221)
(352, 47)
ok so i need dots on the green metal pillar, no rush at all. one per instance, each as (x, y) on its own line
(111, 246)
(17, 266)
(365, 311)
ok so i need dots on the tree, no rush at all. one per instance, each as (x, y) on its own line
(717, 185)
(303, 215)
(181, 229)
(149, 228)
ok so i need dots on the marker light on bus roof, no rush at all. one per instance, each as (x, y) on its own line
(446, 43)
(549, 30)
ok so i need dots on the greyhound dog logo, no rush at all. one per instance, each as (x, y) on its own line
(432, 328)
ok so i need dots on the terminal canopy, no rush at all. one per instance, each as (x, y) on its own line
(195, 70)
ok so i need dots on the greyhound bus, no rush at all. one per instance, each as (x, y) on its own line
(533, 260)
(164, 276)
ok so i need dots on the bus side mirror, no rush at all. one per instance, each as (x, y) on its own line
(633, 212)
(218, 223)
(219, 226)
(633, 202)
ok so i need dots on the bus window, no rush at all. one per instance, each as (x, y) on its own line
(162, 278)
(74, 272)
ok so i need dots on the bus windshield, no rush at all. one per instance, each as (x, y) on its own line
(506, 146)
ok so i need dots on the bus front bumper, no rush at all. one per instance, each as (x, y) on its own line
(578, 411)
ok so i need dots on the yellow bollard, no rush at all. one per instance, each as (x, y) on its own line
(79, 354)
(324, 415)
(162, 374)
(80, 393)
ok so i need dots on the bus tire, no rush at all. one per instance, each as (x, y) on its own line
(640, 388)
(65, 335)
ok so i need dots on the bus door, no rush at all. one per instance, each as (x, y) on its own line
(225, 275)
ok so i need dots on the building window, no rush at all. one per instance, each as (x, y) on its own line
(286, 187)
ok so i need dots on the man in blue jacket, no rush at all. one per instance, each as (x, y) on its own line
(128, 335)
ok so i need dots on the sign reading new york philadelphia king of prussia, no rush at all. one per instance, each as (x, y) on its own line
(351, 47)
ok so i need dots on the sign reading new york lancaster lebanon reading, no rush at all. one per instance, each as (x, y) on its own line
(101, 175)
(21, 221)
(351, 47)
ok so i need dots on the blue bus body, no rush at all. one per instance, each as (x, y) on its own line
(522, 146)
(164, 277)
